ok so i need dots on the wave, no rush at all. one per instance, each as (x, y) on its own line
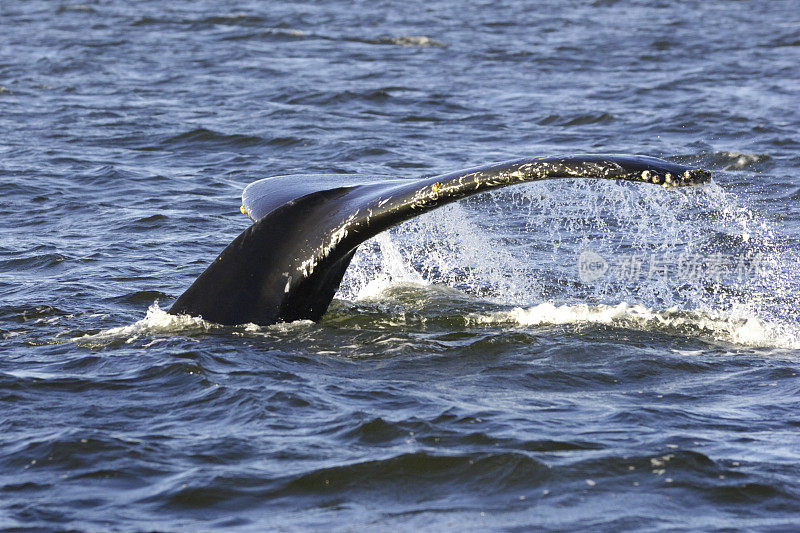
(75, 8)
(577, 120)
(232, 19)
(407, 40)
(425, 471)
(209, 138)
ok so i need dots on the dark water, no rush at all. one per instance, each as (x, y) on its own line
(467, 377)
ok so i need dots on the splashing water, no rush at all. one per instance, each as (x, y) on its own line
(693, 251)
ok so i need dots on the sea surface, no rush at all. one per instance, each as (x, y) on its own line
(563, 355)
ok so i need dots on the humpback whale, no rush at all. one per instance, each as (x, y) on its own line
(289, 263)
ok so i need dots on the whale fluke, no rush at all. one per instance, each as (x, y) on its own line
(288, 265)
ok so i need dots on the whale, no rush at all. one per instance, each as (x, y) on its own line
(289, 263)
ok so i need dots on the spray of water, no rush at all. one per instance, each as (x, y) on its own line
(697, 251)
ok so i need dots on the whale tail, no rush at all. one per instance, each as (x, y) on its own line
(288, 265)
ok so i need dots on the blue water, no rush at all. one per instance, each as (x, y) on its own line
(467, 376)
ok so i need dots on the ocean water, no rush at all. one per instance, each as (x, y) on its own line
(553, 356)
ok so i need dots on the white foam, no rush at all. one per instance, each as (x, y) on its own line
(156, 322)
(747, 331)
(159, 323)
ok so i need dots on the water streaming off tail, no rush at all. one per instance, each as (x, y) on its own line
(578, 242)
